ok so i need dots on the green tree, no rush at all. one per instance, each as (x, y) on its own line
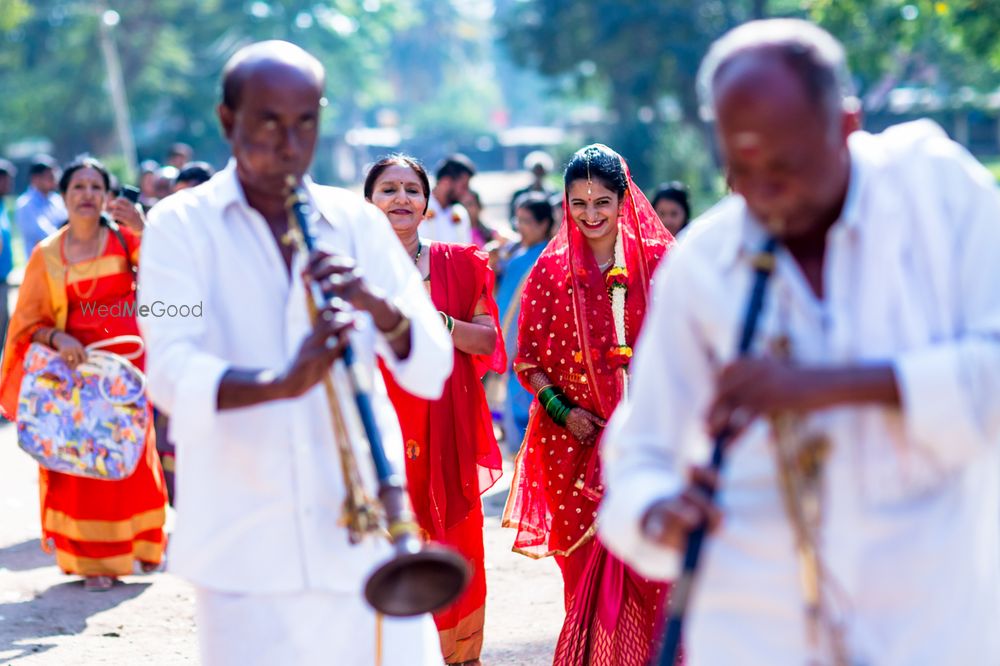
(639, 51)
(642, 54)
(172, 53)
(942, 46)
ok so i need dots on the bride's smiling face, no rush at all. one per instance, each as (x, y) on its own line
(594, 207)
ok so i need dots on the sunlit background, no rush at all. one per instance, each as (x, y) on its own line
(494, 79)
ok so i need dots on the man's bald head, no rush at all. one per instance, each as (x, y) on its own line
(275, 56)
(776, 90)
(270, 113)
(811, 54)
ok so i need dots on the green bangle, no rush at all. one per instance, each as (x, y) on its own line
(545, 396)
(546, 393)
(561, 415)
(558, 410)
(448, 321)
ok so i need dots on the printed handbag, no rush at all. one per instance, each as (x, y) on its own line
(90, 422)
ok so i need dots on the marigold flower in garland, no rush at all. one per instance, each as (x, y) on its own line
(617, 278)
(620, 356)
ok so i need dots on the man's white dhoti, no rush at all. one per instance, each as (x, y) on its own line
(308, 629)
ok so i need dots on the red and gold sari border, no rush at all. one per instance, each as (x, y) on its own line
(464, 641)
(107, 265)
(536, 555)
(117, 565)
(103, 531)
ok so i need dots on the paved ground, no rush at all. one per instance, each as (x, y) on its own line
(47, 618)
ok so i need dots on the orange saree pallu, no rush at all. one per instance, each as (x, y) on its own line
(96, 527)
(567, 331)
(452, 455)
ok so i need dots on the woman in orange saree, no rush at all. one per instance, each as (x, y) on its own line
(451, 452)
(97, 528)
(581, 312)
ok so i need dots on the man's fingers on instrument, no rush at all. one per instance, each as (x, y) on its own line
(704, 477)
(334, 345)
(717, 417)
(739, 420)
(326, 265)
(341, 285)
(739, 374)
(686, 514)
(333, 323)
(706, 512)
(730, 417)
(316, 257)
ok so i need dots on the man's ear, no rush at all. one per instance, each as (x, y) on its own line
(851, 118)
(227, 118)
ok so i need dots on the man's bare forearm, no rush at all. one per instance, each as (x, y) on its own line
(386, 317)
(245, 388)
(872, 385)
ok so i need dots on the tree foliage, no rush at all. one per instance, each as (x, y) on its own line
(642, 53)
(378, 54)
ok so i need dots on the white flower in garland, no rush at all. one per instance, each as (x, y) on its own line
(617, 281)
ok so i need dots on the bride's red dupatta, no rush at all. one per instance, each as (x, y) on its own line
(566, 329)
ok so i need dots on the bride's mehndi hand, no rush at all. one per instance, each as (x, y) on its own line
(583, 425)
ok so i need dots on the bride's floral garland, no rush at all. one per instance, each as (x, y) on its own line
(617, 281)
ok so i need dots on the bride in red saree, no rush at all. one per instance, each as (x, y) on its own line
(451, 452)
(581, 311)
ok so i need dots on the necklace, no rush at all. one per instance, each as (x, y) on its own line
(416, 257)
(607, 264)
(91, 274)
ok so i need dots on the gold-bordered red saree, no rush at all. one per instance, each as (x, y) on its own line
(96, 527)
(452, 455)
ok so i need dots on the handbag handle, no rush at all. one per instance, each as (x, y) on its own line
(105, 363)
(120, 340)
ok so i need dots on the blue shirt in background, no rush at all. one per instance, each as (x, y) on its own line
(38, 216)
(6, 253)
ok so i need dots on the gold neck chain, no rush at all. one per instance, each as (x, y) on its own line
(91, 276)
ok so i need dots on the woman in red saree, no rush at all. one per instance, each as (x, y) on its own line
(98, 528)
(581, 311)
(451, 452)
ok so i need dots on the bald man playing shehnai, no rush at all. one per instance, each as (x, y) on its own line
(259, 486)
(875, 370)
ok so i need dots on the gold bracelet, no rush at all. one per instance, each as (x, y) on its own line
(398, 330)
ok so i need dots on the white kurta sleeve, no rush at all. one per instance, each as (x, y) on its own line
(183, 380)
(643, 450)
(390, 269)
(950, 391)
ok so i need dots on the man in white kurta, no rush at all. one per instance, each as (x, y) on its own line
(259, 487)
(446, 219)
(910, 525)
